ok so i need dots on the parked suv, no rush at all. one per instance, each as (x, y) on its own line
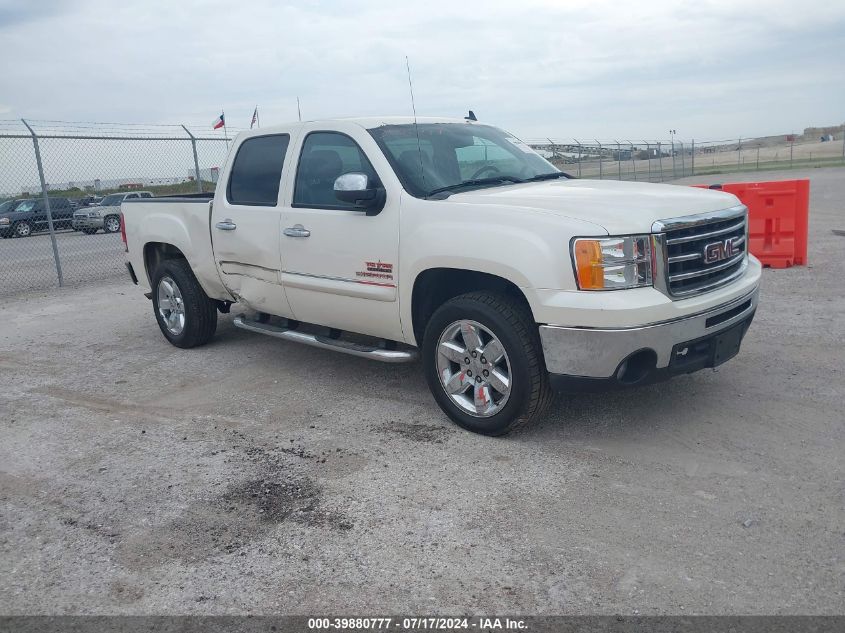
(106, 216)
(88, 201)
(30, 215)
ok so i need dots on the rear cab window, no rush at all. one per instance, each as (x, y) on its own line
(257, 171)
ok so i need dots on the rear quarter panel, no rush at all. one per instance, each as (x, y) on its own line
(180, 223)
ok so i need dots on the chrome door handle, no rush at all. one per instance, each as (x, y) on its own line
(226, 225)
(297, 231)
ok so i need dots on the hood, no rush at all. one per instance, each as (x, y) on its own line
(620, 207)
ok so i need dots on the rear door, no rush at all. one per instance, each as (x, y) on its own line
(246, 221)
(61, 211)
(39, 216)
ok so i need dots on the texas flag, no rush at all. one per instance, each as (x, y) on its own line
(218, 122)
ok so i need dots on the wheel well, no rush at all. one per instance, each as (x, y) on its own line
(157, 252)
(434, 287)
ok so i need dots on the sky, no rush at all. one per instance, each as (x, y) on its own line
(563, 69)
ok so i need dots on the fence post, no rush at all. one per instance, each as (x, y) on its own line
(579, 156)
(554, 149)
(619, 160)
(601, 175)
(648, 158)
(46, 203)
(791, 145)
(758, 159)
(683, 160)
(196, 160)
(660, 160)
(739, 154)
(633, 161)
(692, 159)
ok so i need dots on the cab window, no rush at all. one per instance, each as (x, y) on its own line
(324, 157)
(257, 171)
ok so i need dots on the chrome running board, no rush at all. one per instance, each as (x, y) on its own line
(324, 342)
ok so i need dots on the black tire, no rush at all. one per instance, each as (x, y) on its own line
(89, 231)
(23, 229)
(110, 220)
(512, 324)
(200, 312)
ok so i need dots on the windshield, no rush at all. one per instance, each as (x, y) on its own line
(7, 206)
(113, 200)
(449, 154)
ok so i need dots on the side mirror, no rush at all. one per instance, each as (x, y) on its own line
(357, 189)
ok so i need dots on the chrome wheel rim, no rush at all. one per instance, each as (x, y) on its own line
(474, 369)
(171, 307)
(24, 230)
(113, 225)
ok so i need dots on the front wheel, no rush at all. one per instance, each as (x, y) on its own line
(111, 224)
(484, 364)
(185, 314)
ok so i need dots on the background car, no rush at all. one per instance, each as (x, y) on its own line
(105, 215)
(29, 215)
(88, 201)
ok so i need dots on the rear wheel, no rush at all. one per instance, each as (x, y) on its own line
(111, 224)
(23, 229)
(484, 365)
(185, 314)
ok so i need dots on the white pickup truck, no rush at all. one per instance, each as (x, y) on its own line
(391, 238)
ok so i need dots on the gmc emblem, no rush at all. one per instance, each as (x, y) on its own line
(723, 249)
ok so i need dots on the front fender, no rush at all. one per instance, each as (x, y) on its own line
(527, 247)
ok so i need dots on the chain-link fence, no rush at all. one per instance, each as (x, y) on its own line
(668, 159)
(61, 183)
(61, 186)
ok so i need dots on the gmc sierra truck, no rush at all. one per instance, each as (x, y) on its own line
(394, 238)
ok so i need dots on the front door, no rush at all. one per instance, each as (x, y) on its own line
(339, 264)
(245, 225)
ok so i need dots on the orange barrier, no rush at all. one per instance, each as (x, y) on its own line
(777, 219)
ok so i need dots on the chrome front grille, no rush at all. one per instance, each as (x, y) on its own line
(702, 252)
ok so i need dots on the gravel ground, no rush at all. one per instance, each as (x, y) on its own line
(253, 475)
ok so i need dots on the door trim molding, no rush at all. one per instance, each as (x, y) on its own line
(361, 288)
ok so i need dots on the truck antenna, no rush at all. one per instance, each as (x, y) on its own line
(298, 111)
(416, 127)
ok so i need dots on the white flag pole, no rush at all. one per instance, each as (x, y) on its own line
(225, 133)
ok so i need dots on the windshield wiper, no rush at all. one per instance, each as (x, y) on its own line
(492, 180)
(550, 176)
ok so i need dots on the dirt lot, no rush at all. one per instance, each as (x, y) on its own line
(254, 475)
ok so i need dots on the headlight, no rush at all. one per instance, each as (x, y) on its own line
(612, 263)
(5, 221)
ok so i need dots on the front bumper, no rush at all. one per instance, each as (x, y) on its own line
(87, 222)
(580, 357)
